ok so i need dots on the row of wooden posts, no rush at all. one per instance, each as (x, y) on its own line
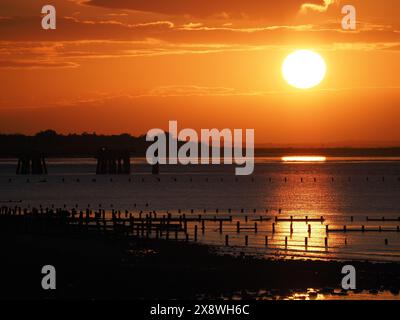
(168, 223)
(158, 179)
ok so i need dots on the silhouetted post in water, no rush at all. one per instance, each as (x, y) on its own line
(273, 227)
(351, 218)
(327, 228)
(291, 228)
(195, 232)
(285, 242)
(246, 240)
(326, 242)
(363, 228)
(176, 235)
(155, 169)
(255, 227)
(112, 162)
(32, 163)
(226, 240)
(386, 242)
(345, 241)
(245, 219)
(266, 241)
(220, 226)
(203, 227)
(309, 228)
(344, 228)
(238, 226)
(306, 241)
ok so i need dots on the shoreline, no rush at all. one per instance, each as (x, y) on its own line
(112, 267)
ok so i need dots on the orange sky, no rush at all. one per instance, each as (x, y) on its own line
(117, 66)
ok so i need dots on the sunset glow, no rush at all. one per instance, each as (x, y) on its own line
(304, 159)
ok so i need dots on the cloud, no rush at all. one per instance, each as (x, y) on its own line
(30, 64)
(266, 9)
(189, 90)
(317, 7)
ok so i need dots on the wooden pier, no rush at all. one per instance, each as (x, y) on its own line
(113, 162)
(31, 163)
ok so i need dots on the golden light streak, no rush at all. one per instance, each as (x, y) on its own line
(303, 159)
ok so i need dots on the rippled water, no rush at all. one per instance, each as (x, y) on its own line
(344, 191)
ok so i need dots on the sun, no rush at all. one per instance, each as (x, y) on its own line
(304, 69)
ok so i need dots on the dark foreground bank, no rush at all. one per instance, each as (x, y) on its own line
(98, 266)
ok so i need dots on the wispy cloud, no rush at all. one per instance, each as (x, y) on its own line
(318, 7)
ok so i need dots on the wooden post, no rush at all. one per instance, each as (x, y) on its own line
(238, 226)
(227, 240)
(326, 242)
(195, 233)
(363, 228)
(273, 227)
(255, 227)
(309, 228)
(306, 241)
(220, 226)
(203, 227)
(246, 240)
(285, 242)
(266, 241)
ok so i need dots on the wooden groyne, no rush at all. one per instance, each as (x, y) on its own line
(346, 229)
(305, 219)
(383, 219)
(220, 230)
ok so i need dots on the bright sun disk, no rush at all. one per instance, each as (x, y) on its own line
(304, 69)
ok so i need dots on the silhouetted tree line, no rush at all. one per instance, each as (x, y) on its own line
(50, 143)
